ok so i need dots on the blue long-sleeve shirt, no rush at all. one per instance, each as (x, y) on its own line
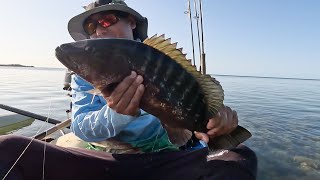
(93, 120)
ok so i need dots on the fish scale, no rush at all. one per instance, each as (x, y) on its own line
(169, 73)
(175, 92)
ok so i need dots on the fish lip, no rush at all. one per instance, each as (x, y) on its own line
(59, 53)
(62, 56)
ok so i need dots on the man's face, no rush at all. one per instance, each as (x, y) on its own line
(110, 25)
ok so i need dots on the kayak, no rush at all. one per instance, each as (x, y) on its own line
(11, 121)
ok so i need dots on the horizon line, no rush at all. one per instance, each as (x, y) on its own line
(227, 75)
(267, 77)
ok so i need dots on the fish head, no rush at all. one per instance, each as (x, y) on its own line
(101, 62)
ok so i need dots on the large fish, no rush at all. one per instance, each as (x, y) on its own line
(175, 92)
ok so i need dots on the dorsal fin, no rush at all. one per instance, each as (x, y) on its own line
(212, 89)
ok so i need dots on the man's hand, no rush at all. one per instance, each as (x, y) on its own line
(225, 121)
(125, 99)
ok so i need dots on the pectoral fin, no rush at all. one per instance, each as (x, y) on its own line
(237, 136)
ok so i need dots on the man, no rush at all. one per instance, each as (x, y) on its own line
(117, 115)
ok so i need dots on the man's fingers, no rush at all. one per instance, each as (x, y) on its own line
(129, 94)
(214, 122)
(122, 88)
(126, 97)
(215, 132)
(135, 101)
(224, 122)
(202, 136)
(219, 119)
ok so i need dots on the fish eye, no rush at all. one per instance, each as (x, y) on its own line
(89, 49)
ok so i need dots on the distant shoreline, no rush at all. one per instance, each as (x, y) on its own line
(15, 65)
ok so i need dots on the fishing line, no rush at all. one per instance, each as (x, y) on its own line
(28, 147)
(18, 159)
(45, 144)
(20, 156)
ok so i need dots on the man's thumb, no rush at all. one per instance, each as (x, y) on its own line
(202, 136)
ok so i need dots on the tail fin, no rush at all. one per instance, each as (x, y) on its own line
(233, 139)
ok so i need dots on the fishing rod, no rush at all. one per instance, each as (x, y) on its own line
(198, 30)
(191, 28)
(57, 127)
(203, 59)
(58, 124)
(29, 114)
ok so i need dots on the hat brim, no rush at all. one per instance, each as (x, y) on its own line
(75, 25)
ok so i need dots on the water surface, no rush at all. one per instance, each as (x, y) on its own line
(282, 114)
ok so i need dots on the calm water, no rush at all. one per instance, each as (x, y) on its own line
(38, 90)
(282, 114)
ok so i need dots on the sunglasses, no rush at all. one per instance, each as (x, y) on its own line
(105, 21)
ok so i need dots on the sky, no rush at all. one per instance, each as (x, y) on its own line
(248, 37)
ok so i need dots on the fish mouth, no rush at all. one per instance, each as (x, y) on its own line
(77, 57)
(63, 51)
(62, 56)
(65, 59)
(65, 54)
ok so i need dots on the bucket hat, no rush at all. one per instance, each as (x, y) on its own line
(75, 25)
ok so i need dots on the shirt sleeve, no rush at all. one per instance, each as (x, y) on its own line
(92, 119)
